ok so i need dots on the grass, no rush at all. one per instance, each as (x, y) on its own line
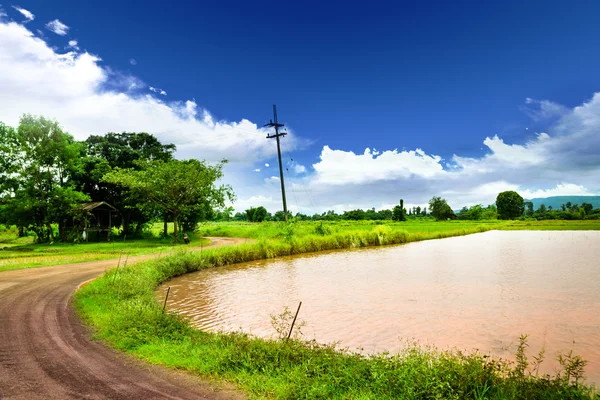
(18, 253)
(132, 321)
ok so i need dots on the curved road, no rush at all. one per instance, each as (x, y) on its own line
(46, 353)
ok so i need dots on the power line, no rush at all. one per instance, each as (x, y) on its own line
(277, 135)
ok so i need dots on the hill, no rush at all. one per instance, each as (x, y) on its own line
(557, 201)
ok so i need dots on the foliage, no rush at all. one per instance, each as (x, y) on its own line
(121, 150)
(175, 187)
(40, 161)
(440, 209)
(510, 205)
(258, 214)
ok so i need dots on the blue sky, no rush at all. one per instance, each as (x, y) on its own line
(459, 99)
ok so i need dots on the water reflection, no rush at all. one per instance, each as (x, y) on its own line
(474, 292)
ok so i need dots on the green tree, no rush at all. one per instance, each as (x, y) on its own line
(587, 207)
(386, 214)
(175, 187)
(40, 191)
(510, 205)
(354, 215)
(528, 208)
(440, 209)
(122, 150)
(541, 209)
(399, 213)
(260, 214)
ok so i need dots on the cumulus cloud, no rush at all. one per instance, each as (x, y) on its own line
(132, 61)
(26, 13)
(57, 27)
(90, 99)
(73, 44)
(257, 170)
(267, 165)
(338, 167)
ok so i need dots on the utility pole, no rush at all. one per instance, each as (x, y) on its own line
(276, 125)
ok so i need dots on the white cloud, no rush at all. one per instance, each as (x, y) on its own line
(338, 167)
(26, 13)
(157, 90)
(73, 44)
(90, 99)
(270, 203)
(132, 61)
(267, 165)
(299, 168)
(562, 189)
(257, 170)
(540, 110)
(57, 27)
(272, 180)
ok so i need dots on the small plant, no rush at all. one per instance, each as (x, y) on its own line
(522, 363)
(283, 322)
(288, 231)
(572, 367)
(322, 230)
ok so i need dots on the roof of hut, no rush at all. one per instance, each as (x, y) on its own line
(96, 204)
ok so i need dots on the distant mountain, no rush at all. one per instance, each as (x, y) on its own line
(557, 201)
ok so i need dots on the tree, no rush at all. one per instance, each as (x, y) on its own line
(399, 213)
(37, 176)
(440, 209)
(587, 207)
(510, 205)
(528, 208)
(175, 187)
(386, 214)
(354, 215)
(257, 214)
(122, 150)
(474, 213)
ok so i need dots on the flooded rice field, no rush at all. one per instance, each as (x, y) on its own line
(472, 292)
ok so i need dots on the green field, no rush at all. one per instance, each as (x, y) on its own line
(17, 253)
(135, 323)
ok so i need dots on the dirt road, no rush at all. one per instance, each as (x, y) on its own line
(45, 351)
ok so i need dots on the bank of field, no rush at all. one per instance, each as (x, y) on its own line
(21, 252)
(124, 313)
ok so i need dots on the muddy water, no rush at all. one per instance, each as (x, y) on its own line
(474, 292)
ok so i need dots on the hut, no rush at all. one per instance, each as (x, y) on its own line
(99, 219)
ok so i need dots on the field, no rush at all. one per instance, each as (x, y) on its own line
(17, 253)
(134, 322)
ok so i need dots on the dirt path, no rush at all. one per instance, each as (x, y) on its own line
(45, 351)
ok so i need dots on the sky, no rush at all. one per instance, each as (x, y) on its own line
(380, 100)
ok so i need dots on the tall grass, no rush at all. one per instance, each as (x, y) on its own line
(122, 309)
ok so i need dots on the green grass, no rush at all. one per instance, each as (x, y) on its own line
(132, 321)
(553, 225)
(18, 253)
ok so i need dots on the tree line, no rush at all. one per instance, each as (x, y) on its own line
(509, 205)
(46, 175)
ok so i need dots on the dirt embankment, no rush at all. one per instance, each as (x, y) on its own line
(46, 353)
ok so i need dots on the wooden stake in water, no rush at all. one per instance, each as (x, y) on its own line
(294, 321)
(166, 297)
